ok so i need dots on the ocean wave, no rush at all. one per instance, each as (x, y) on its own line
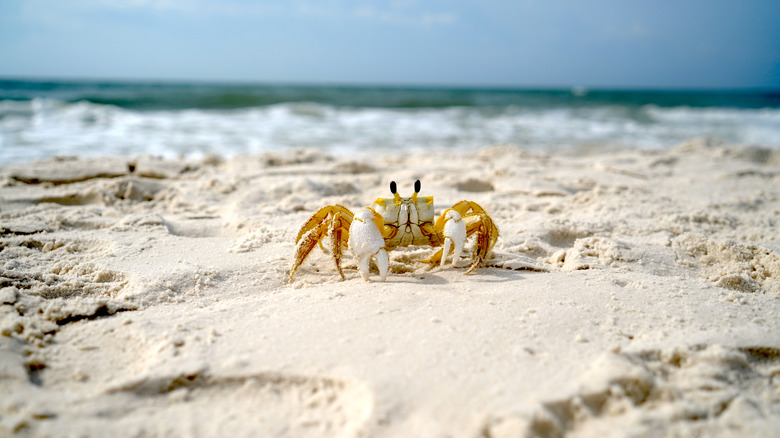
(42, 127)
(148, 96)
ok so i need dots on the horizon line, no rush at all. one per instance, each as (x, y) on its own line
(379, 84)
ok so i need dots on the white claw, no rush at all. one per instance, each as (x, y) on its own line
(454, 236)
(447, 245)
(382, 262)
(365, 241)
(362, 265)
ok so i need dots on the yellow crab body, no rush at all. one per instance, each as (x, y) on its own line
(395, 222)
(407, 221)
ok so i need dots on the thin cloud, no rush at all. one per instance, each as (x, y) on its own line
(404, 17)
(397, 12)
(193, 8)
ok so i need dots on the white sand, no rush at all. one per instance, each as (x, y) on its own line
(630, 294)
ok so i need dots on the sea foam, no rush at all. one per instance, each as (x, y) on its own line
(42, 127)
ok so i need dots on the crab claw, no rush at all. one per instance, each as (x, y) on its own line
(366, 241)
(454, 235)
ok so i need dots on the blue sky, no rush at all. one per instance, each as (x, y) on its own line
(608, 43)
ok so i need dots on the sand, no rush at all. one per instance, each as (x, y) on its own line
(631, 293)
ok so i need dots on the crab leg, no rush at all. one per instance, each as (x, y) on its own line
(475, 211)
(487, 234)
(305, 245)
(335, 239)
(334, 221)
(339, 235)
(321, 214)
(476, 221)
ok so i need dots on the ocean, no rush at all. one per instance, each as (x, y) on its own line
(41, 119)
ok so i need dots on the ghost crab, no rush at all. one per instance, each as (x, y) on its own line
(392, 222)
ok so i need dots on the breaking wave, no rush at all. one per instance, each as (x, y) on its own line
(33, 127)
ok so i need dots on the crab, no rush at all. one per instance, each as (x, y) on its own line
(389, 223)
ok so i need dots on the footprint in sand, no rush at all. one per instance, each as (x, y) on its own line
(699, 390)
(264, 404)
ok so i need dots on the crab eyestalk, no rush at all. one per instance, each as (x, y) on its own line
(417, 187)
(397, 198)
(394, 191)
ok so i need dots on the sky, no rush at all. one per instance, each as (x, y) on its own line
(494, 43)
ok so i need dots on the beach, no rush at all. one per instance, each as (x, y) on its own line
(632, 292)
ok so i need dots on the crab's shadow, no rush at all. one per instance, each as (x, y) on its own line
(501, 275)
(439, 277)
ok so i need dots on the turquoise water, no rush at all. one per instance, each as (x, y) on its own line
(40, 119)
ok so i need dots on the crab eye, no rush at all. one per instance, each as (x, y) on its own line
(417, 186)
(393, 188)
